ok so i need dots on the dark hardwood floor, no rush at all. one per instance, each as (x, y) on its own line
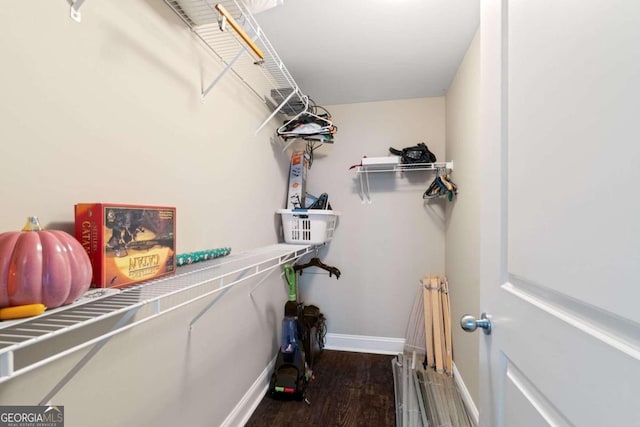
(349, 389)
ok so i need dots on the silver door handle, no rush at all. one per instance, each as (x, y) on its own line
(470, 324)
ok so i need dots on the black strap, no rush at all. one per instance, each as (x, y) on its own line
(394, 151)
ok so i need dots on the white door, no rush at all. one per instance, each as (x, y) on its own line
(560, 233)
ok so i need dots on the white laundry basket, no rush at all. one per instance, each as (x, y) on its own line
(308, 226)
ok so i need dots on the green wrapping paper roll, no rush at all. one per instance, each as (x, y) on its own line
(207, 254)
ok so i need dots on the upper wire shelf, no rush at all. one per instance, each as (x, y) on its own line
(230, 31)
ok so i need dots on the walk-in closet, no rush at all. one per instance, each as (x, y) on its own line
(302, 212)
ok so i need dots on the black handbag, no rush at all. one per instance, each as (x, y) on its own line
(417, 154)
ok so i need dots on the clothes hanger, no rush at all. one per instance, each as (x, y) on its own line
(280, 130)
(296, 128)
(315, 262)
(441, 186)
(453, 188)
(436, 189)
(327, 125)
(304, 110)
(291, 128)
(445, 181)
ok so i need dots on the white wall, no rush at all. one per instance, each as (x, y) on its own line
(110, 110)
(463, 226)
(384, 248)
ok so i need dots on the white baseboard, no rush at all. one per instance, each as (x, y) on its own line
(472, 409)
(364, 344)
(252, 398)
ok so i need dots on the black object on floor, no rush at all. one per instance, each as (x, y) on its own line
(349, 389)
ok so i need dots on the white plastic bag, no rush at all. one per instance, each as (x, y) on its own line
(257, 6)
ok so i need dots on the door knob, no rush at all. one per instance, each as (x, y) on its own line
(470, 324)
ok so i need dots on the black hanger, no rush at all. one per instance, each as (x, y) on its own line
(315, 262)
(436, 189)
(442, 186)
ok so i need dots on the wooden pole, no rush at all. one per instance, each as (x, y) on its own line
(437, 322)
(428, 321)
(238, 29)
(446, 314)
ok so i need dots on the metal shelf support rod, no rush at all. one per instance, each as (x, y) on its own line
(87, 357)
(364, 187)
(272, 115)
(6, 364)
(75, 10)
(222, 73)
(260, 282)
(241, 276)
(281, 261)
(215, 300)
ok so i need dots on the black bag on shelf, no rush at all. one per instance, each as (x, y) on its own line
(417, 154)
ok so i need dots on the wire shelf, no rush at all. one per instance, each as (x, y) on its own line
(266, 77)
(28, 343)
(363, 171)
(402, 167)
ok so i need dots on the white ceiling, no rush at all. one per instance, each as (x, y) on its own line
(347, 51)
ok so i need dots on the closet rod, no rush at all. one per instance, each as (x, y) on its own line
(238, 29)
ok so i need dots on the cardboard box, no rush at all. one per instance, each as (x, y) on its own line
(298, 180)
(126, 244)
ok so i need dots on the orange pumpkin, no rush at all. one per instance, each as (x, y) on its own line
(40, 266)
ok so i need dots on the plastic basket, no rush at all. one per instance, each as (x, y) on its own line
(308, 226)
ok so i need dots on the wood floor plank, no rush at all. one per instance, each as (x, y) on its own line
(350, 389)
